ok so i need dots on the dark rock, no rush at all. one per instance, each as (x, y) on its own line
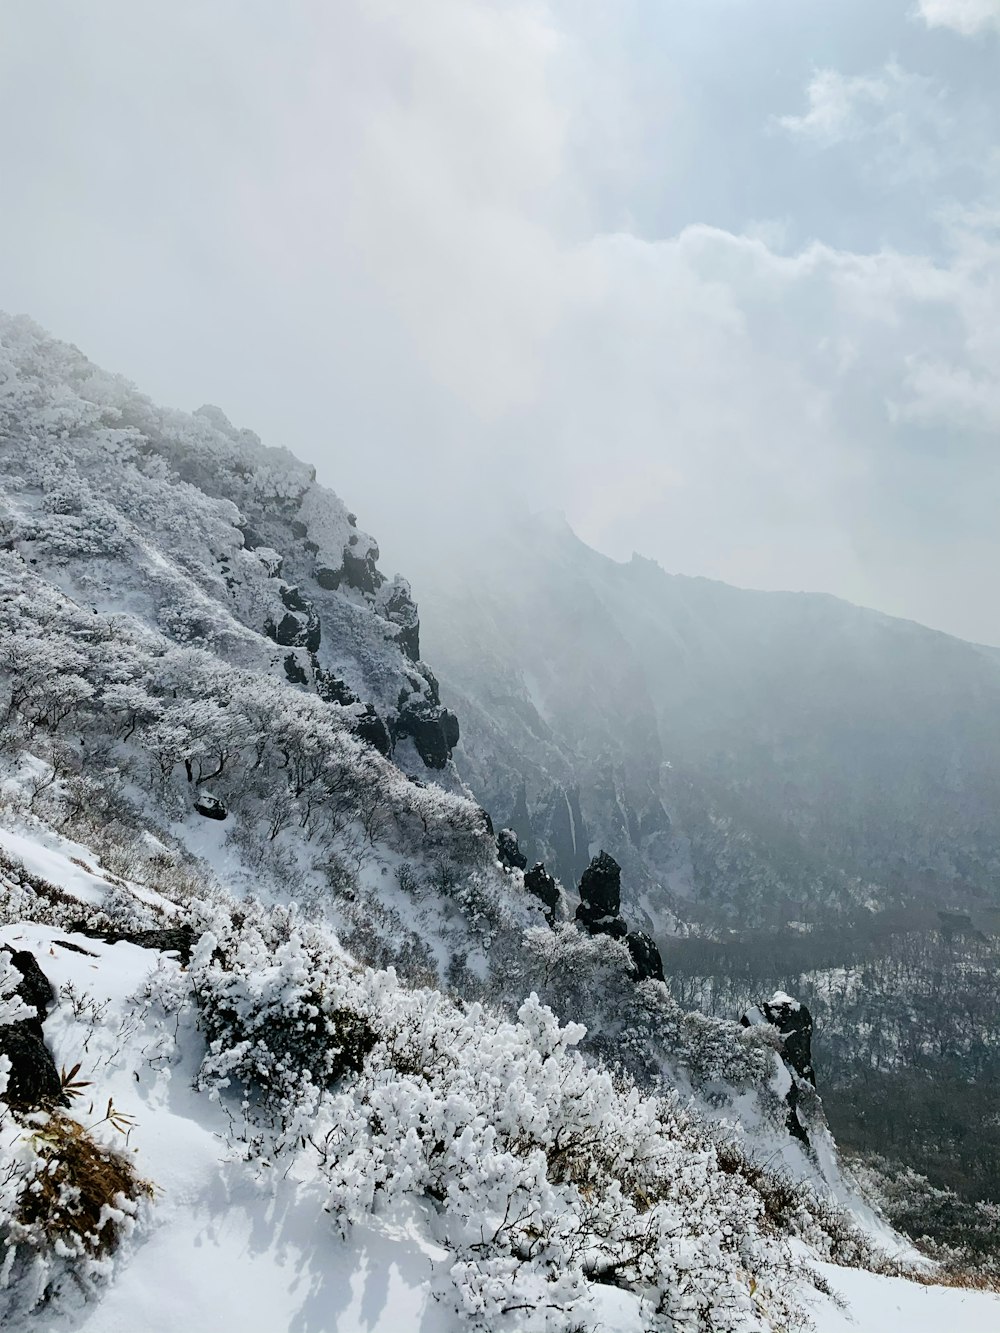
(296, 630)
(601, 884)
(328, 578)
(34, 988)
(538, 881)
(598, 922)
(434, 730)
(371, 729)
(293, 599)
(360, 572)
(295, 671)
(645, 956)
(299, 529)
(33, 1079)
(210, 806)
(794, 1022)
(396, 604)
(165, 939)
(331, 688)
(487, 821)
(511, 856)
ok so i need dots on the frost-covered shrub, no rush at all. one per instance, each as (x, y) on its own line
(280, 1027)
(67, 1201)
(547, 1175)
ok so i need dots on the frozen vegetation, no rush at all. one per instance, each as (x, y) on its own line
(291, 1039)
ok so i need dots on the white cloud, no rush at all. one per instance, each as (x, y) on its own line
(969, 17)
(364, 229)
(840, 106)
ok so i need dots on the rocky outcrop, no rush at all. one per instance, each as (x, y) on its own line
(300, 626)
(33, 1079)
(371, 729)
(395, 603)
(601, 884)
(645, 956)
(600, 898)
(538, 881)
(511, 856)
(433, 730)
(795, 1026)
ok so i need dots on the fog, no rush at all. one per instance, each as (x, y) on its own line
(716, 279)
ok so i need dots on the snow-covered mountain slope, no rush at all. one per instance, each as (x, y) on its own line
(454, 1173)
(326, 1019)
(195, 528)
(749, 758)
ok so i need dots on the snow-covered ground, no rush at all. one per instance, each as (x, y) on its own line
(221, 1249)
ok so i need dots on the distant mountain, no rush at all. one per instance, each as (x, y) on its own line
(751, 758)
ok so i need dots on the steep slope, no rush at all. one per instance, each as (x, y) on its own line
(750, 758)
(301, 953)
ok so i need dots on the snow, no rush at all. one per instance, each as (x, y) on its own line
(43, 856)
(877, 1304)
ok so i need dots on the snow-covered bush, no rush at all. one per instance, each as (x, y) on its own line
(546, 1175)
(67, 1201)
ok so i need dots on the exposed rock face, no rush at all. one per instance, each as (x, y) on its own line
(300, 626)
(794, 1022)
(373, 730)
(597, 922)
(508, 851)
(601, 884)
(538, 881)
(395, 602)
(295, 671)
(33, 1079)
(434, 730)
(645, 956)
(600, 898)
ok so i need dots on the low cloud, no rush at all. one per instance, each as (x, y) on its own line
(969, 17)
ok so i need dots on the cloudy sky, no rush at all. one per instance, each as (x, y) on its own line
(718, 278)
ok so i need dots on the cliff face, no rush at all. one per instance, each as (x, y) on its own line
(203, 532)
(749, 758)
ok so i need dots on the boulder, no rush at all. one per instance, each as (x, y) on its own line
(34, 988)
(327, 578)
(645, 956)
(210, 806)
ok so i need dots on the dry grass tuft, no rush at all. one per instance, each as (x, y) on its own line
(81, 1193)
